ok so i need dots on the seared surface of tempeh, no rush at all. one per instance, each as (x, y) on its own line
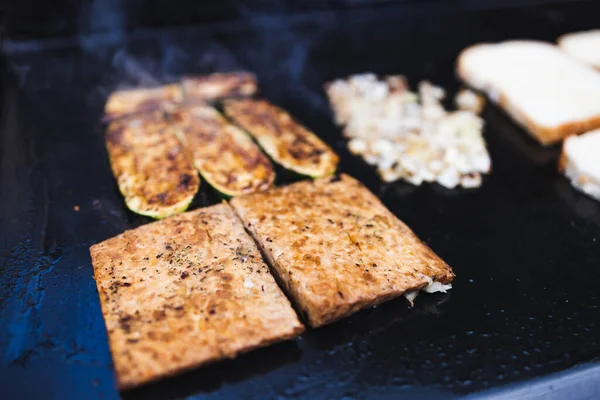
(336, 247)
(186, 291)
(225, 156)
(286, 141)
(153, 172)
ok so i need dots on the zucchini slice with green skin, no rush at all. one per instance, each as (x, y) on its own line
(141, 100)
(153, 171)
(226, 157)
(286, 141)
(217, 86)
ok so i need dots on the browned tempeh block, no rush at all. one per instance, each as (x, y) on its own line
(186, 291)
(219, 85)
(336, 247)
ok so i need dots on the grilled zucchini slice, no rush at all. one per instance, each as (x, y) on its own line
(226, 157)
(134, 101)
(217, 86)
(286, 141)
(153, 172)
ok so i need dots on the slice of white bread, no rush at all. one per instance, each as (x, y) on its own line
(580, 162)
(545, 90)
(584, 46)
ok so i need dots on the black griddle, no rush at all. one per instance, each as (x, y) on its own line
(522, 320)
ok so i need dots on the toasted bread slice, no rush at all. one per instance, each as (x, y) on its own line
(584, 46)
(220, 85)
(545, 90)
(226, 156)
(153, 172)
(287, 142)
(336, 248)
(134, 101)
(580, 162)
(186, 291)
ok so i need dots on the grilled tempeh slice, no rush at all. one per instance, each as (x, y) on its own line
(134, 101)
(219, 85)
(225, 156)
(336, 247)
(154, 173)
(286, 141)
(186, 291)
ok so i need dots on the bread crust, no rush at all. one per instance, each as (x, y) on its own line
(336, 248)
(562, 160)
(548, 135)
(545, 135)
(186, 291)
(579, 179)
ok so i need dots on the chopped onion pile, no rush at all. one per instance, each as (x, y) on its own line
(411, 136)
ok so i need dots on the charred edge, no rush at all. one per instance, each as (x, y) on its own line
(262, 180)
(299, 153)
(114, 133)
(184, 181)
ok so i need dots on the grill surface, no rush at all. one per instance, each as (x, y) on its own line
(525, 246)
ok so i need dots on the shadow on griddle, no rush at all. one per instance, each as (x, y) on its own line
(110, 208)
(400, 188)
(581, 204)
(205, 196)
(373, 320)
(211, 377)
(500, 124)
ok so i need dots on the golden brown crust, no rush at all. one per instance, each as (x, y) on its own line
(547, 136)
(135, 101)
(186, 291)
(218, 86)
(562, 160)
(154, 174)
(336, 247)
(225, 156)
(287, 142)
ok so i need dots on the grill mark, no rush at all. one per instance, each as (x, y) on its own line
(230, 84)
(258, 116)
(202, 131)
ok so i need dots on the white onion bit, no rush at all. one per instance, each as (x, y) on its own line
(409, 135)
